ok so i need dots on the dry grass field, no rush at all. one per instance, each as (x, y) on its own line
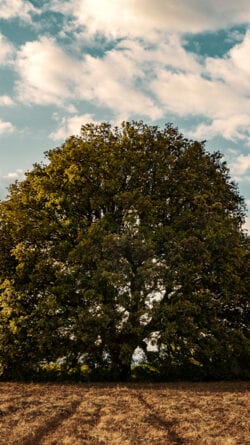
(126, 414)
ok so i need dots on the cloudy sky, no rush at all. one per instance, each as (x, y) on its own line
(66, 62)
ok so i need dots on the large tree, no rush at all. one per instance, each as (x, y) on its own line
(125, 236)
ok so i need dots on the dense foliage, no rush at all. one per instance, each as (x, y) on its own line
(125, 238)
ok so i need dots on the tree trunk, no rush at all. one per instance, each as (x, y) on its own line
(121, 371)
(120, 364)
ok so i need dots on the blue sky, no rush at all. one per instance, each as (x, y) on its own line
(66, 62)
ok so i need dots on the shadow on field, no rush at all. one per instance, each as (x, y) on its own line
(155, 419)
(52, 424)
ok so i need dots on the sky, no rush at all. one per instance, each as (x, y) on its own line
(67, 62)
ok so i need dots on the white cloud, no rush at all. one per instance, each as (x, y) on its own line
(143, 78)
(6, 50)
(46, 72)
(127, 78)
(230, 117)
(49, 76)
(219, 91)
(71, 126)
(241, 164)
(247, 224)
(166, 52)
(111, 81)
(12, 176)
(234, 69)
(191, 94)
(6, 127)
(6, 101)
(239, 54)
(140, 17)
(232, 128)
(16, 8)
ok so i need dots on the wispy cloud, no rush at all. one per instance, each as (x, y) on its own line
(233, 128)
(46, 73)
(70, 126)
(138, 77)
(185, 93)
(6, 50)
(139, 18)
(21, 9)
(112, 81)
(232, 106)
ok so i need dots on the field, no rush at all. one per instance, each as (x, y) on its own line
(126, 414)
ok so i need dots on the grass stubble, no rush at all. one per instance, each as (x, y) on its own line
(125, 414)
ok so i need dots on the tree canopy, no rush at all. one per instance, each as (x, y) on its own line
(125, 238)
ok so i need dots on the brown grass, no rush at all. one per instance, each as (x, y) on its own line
(99, 414)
